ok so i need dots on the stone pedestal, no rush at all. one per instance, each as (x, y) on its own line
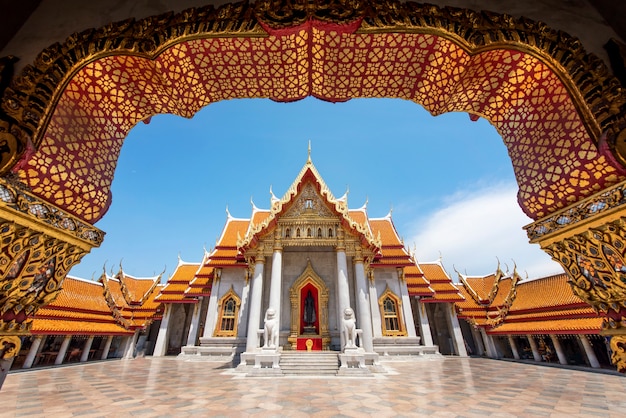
(353, 362)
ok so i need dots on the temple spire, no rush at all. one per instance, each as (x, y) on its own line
(308, 160)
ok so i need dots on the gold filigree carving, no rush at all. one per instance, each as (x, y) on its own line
(599, 205)
(618, 352)
(33, 266)
(9, 346)
(279, 14)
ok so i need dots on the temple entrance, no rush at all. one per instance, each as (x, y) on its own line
(309, 312)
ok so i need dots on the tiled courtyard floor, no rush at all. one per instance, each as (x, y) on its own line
(450, 387)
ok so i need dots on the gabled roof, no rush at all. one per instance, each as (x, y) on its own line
(178, 283)
(80, 309)
(549, 306)
(392, 249)
(445, 290)
(488, 298)
(308, 174)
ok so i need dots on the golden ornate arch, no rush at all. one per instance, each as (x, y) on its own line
(63, 119)
(401, 331)
(309, 276)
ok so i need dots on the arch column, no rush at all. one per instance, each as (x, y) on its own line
(513, 347)
(591, 355)
(254, 317)
(107, 348)
(343, 288)
(32, 353)
(276, 281)
(424, 324)
(534, 348)
(84, 356)
(409, 324)
(211, 312)
(63, 350)
(559, 350)
(160, 347)
(363, 304)
(192, 336)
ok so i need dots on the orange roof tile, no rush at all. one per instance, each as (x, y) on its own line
(259, 216)
(358, 216)
(564, 326)
(232, 229)
(61, 327)
(545, 293)
(388, 234)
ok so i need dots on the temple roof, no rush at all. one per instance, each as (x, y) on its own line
(504, 305)
(80, 309)
(308, 175)
(445, 290)
(176, 287)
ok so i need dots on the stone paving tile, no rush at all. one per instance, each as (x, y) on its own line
(445, 387)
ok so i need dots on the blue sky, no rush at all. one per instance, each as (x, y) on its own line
(449, 181)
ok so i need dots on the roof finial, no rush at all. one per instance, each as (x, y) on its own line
(308, 160)
(228, 215)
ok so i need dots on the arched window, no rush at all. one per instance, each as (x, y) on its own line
(287, 233)
(391, 312)
(228, 309)
(308, 232)
(319, 232)
(330, 232)
(298, 233)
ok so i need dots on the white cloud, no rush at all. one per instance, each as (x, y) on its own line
(472, 229)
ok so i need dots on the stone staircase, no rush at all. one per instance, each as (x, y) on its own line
(315, 363)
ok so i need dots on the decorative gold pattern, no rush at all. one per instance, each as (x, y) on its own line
(9, 346)
(548, 98)
(618, 352)
(309, 276)
(33, 266)
(309, 206)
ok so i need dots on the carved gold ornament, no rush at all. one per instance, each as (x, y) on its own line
(72, 108)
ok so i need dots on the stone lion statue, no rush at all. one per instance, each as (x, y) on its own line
(349, 328)
(270, 330)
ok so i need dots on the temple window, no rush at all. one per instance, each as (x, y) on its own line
(308, 232)
(319, 232)
(228, 309)
(298, 233)
(390, 307)
(308, 204)
(330, 232)
(287, 233)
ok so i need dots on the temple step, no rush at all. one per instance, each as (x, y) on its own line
(320, 363)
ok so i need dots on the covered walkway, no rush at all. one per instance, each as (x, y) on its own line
(447, 386)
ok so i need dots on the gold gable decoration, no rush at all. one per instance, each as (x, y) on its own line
(308, 203)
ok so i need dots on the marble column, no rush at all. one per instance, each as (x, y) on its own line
(211, 312)
(343, 288)
(107, 348)
(32, 353)
(424, 325)
(591, 355)
(478, 340)
(457, 335)
(64, 345)
(130, 347)
(488, 345)
(256, 294)
(406, 305)
(534, 348)
(192, 336)
(276, 281)
(160, 347)
(363, 305)
(84, 356)
(559, 350)
(513, 347)
(377, 325)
